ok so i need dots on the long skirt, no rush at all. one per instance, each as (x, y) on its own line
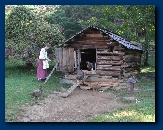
(41, 73)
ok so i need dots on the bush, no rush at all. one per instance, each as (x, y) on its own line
(26, 34)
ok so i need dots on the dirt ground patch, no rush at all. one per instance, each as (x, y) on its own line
(80, 106)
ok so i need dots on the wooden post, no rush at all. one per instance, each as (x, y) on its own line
(131, 92)
(64, 63)
(75, 60)
(79, 57)
(96, 60)
(132, 81)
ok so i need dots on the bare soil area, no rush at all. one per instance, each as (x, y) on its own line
(79, 106)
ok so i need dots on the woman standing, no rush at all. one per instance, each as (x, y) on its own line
(43, 63)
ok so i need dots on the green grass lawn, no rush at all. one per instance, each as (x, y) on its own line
(19, 82)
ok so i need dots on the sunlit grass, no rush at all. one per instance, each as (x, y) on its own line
(147, 69)
(124, 116)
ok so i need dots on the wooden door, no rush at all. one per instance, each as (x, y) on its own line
(64, 59)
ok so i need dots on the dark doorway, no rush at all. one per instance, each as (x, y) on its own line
(87, 55)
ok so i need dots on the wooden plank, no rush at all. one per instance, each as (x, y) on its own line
(110, 73)
(99, 78)
(64, 59)
(109, 53)
(103, 66)
(72, 88)
(93, 42)
(96, 60)
(102, 43)
(72, 62)
(76, 46)
(75, 59)
(70, 59)
(96, 79)
(87, 46)
(109, 69)
(94, 31)
(47, 78)
(118, 48)
(94, 35)
(64, 63)
(101, 49)
(115, 68)
(102, 79)
(79, 59)
(59, 58)
(106, 60)
(109, 57)
(92, 47)
(110, 62)
(93, 38)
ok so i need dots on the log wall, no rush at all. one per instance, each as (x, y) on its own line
(112, 58)
(132, 63)
(110, 61)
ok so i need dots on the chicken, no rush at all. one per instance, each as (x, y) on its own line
(37, 93)
(80, 75)
(89, 65)
(96, 87)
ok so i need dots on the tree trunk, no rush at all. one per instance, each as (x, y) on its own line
(146, 49)
(146, 57)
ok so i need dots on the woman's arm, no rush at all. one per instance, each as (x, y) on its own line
(43, 54)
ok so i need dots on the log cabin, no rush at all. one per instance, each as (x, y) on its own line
(114, 57)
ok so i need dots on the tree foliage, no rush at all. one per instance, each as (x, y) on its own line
(26, 33)
(72, 19)
(136, 23)
(29, 27)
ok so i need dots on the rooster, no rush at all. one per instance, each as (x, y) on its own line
(80, 75)
(37, 93)
(89, 65)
